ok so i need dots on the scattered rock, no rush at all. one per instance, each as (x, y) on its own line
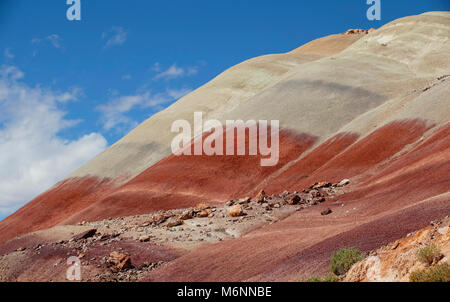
(118, 261)
(293, 200)
(343, 183)
(245, 200)
(186, 215)
(144, 238)
(157, 220)
(261, 197)
(85, 235)
(321, 199)
(173, 222)
(236, 211)
(319, 185)
(326, 212)
(204, 213)
(396, 245)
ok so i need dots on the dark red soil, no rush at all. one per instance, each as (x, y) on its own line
(50, 264)
(54, 206)
(184, 181)
(392, 172)
(301, 174)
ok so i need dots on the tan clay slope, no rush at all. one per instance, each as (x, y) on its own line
(341, 116)
(150, 141)
(307, 83)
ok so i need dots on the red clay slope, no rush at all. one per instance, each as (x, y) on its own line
(389, 201)
(395, 190)
(327, 161)
(174, 182)
(184, 181)
(54, 206)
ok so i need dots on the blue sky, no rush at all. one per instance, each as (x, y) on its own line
(83, 84)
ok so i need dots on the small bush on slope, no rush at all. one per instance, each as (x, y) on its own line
(438, 273)
(342, 260)
(327, 278)
(429, 254)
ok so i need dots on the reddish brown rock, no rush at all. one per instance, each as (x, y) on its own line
(157, 220)
(245, 200)
(144, 238)
(322, 184)
(204, 213)
(173, 222)
(186, 215)
(236, 211)
(260, 198)
(326, 212)
(321, 199)
(119, 261)
(293, 200)
(85, 235)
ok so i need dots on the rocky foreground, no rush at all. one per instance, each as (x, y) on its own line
(396, 261)
(127, 248)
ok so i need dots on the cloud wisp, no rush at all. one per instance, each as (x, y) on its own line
(115, 112)
(33, 155)
(116, 36)
(173, 72)
(54, 40)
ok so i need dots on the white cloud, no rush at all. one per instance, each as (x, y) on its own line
(33, 157)
(53, 39)
(115, 111)
(173, 72)
(117, 36)
(126, 77)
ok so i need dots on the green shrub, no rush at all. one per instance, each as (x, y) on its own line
(314, 279)
(327, 278)
(330, 278)
(342, 260)
(429, 254)
(438, 273)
